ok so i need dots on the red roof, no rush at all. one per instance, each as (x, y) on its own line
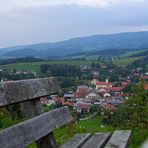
(83, 106)
(121, 95)
(110, 107)
(145, 77)
(82, 91)
(43, 99)
(120, 88)
(146, 87)
(70, 104)
(102, 83)
(124, 83)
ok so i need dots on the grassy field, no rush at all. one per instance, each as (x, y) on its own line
(93, 125)
(130, 53)
(125, 61)
(35, 66)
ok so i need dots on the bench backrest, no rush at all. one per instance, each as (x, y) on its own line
(19, 91)
(39, 128)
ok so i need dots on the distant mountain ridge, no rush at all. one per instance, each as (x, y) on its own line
(95, 44)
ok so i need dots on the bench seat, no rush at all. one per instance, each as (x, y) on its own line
(119, 139)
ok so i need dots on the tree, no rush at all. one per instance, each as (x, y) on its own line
(133, 113)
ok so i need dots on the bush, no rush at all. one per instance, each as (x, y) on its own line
(133, 113)
(5, 120)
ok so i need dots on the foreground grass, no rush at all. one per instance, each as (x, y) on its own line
(93, 125)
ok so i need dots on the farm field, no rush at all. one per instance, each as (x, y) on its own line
(125, 61)
(35, 66)
(130, 53)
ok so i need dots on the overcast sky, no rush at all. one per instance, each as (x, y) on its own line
(33, 21)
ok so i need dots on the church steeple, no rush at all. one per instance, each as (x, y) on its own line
(107, 81)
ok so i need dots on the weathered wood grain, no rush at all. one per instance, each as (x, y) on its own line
(98, 140)
(77, 141)
(18, 91)
(119, 139)
(25, 133)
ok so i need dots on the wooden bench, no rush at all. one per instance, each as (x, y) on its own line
(39, 126)
(119, 139)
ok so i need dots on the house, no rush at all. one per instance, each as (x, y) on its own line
(44, 100)
(145, 77)
(102, 90)
(103, 66)
(69, 96)
(94, 81)
(92, 101)
(105, 84)
(58, 100)
(82, 107)
(91, 96)
(116, 90)
(106, 95)
(124, 83)
(109, 107)
(146, 87)
(95, 73)
(82, 91)
(68, 103)
(114, 103)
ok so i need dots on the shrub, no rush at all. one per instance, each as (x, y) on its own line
(133, 113)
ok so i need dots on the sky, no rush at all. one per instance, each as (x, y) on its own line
(33, 21)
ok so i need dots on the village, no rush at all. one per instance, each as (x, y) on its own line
(87, 100)
(99, 86)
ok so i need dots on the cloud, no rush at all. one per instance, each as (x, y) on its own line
(29, 21)
(6, 5)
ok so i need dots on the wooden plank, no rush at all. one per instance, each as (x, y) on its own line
(98, 140)
(25, 133)
(18, 91)
(77, 141)
(119, 139)
(145, 144)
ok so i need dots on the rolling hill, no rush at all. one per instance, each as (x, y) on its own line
(112, 44)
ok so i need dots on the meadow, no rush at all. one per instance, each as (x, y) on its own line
(123, 62)
(35, 66)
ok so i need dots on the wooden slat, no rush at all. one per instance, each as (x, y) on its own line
(23, 90)
(119, 139)
(77, 141)
(97, 141)
(145, 144)
(33, 129)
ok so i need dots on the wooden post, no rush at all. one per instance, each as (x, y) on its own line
(47, 141)
(32, 108)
